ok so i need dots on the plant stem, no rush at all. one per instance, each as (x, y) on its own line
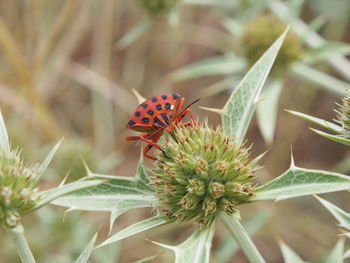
(242, 238)
(22, 247)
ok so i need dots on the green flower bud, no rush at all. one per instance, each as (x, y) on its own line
(203, 172)
(344, 116)
(157, 7)
(17, 188)
(260, 33)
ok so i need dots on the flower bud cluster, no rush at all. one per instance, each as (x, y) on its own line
(17, 188)
(202, 173)
(156, 7)
(344, 116)
(258, 36)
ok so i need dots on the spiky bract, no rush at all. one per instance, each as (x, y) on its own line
(202, 173)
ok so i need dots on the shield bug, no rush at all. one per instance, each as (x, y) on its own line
(156, 115)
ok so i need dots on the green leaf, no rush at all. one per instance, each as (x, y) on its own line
(239, 109)
(4, 139)
(228, 245)
(43, 166)
(196, 249)
(339, 214)
(136, 32)
(297, 182)
(84, 256)
(336, 254)
(319, 78)
(117, 195)
(325, 51)
(52, 194)
(22, 246)
(135, 229)
(336, 138)
(296, 7)
(323, 123)
(242, 238)
(289, 255)
(267, 109)
(220, 65)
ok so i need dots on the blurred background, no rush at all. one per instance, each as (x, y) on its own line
(69, 67)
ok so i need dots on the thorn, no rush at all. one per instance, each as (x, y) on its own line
(279, 241)
(219, 111)
(138, 96)
(257, 101)
(292, 163)
(64, 179)
(318, 198)
(87, 169)
(67, 211)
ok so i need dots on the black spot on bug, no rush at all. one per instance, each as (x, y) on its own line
(131, 123)
(158, 107)
(167, 105)
(154, 99)
(144, 105)
(150, 112)
(137, 114)
(164, 97)
(145, 120)
(175, 96)
(159, 122)
(165, 118)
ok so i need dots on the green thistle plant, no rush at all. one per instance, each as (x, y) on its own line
(259, 34)
(17, 188)
(157, 7)
(202, 168)
(204, 172)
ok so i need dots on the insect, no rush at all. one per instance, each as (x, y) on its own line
(156, 115)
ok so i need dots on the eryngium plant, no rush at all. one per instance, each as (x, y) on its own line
(18, 191)
(185, 155)
(19, 194)
(202, 173)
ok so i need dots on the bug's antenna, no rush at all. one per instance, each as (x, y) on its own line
(193, 102)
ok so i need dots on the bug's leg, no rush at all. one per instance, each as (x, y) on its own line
(183, 114)
(146, 150)
(149, 147)
(142, 138)
(178, 105)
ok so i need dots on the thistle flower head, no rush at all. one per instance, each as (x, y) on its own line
(344, 115)
(17, 188)
(260, 33)
(202, 173)
(157, 7)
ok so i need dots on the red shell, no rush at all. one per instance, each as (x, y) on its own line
(143, 117)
